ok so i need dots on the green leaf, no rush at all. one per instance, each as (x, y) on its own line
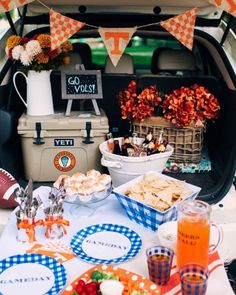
(97, 276)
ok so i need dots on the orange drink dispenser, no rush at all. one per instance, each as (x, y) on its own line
(194, 232)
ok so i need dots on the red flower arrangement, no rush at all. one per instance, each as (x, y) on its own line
(138, 106)
(187, 105)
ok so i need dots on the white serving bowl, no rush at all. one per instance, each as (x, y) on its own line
(167, 234)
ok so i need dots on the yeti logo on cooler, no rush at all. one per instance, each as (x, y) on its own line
(63, 142)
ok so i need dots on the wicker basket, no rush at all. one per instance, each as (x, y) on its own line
(187, 142)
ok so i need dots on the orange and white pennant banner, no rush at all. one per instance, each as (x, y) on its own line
(182, 27)
(58, 250)
(116, 40)
(6, 5)
(62, 28)
(227, 5)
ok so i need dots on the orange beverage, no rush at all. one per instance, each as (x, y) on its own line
(158, 257)
(193, 278)
(193, 241)
(111, 146)
(159, 261)
(110, 142)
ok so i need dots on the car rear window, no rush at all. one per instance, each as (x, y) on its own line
(4, 24)
(140, 48)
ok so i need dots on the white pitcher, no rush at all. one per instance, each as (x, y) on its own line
(39, 93)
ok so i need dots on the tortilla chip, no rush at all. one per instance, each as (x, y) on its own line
(158, 192)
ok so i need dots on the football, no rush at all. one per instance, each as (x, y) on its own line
(8, 185)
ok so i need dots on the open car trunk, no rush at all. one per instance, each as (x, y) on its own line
(217, 74)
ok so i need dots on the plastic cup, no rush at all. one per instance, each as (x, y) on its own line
(159, 260)
(193, 279)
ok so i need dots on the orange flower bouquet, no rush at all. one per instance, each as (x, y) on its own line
(138, 106)
(35, 53)
(186, 106)
(190, 105)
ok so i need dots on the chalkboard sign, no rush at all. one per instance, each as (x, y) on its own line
(81, 84)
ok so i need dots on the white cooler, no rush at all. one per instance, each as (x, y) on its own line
(56, 144)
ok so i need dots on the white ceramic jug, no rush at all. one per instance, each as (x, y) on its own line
(39, 93)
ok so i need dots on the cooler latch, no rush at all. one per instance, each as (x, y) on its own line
(88, 131)
(38, 139)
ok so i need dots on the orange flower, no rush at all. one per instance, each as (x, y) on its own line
(140, 106)
(42, 58)
(190, 104)
(66, 46)
(13, 41)
(44, 40)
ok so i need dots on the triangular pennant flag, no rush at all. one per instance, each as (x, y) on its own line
(227, 5)
(116, 40)
(6, 5)
(182, 27)
(62, 28)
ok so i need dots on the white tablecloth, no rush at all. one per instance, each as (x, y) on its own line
(109, 211)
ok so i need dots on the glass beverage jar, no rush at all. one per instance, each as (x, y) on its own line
(193, 234)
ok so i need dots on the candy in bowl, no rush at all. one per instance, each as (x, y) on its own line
(85, 190)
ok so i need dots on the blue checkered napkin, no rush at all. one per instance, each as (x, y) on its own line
(57, 268)
(142, 214)
(77, 241)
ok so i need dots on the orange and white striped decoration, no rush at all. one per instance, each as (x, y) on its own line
(6, 5)
(182, 27)
(227, 5)
(62, 28)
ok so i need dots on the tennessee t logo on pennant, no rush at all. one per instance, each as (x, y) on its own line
(182, 27)
(61, 252)
(62, 28)
(116, 40)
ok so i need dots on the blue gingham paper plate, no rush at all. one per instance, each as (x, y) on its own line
(31, 274)
(106, 244)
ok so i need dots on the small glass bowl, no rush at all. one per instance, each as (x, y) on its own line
(83, 204)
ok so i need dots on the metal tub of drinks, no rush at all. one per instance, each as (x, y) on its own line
(124, 168)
